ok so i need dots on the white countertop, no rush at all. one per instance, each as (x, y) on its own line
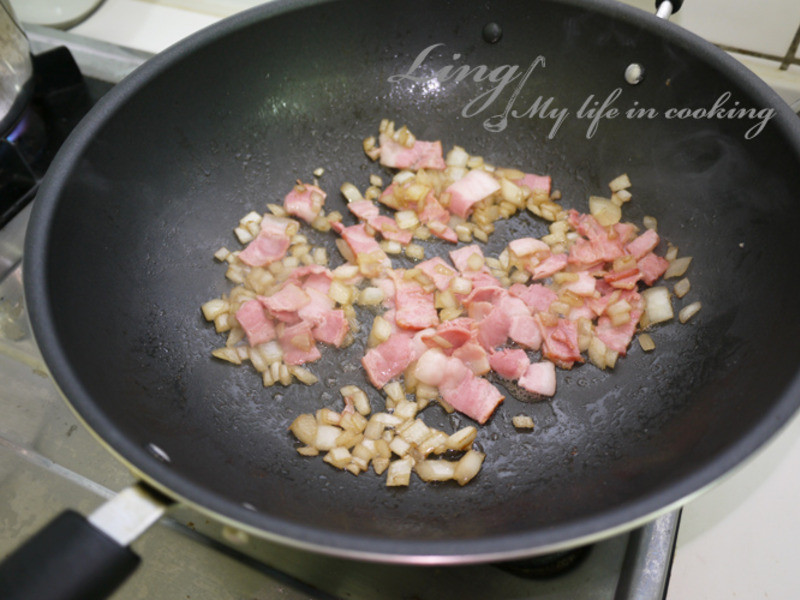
(738, 540)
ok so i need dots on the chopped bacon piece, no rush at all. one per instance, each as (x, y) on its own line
(319, 281)
(536, 296)
(368, 212)
(422, 155)
(439, 271)
(453, 333)
(390, 230)
(625, 232)
(432, 210)
(652, 267)
(372, 260)
(461, 257)
(587, 225)
(623, 280)
(388, 359)
(488, 293)
(591, 252)
(443, 232)
(509, 363)
(481, 279)
(289, 298)
(581, 312)
(267, 247)
(359, 240)
(540, 378)
(549, 266)
(318, 303)
(414, 306)
(539, 184)
(297, 343)
(643, 244)
(304, 201)
(473, 187)
(276, 225)
(473, 396)
(618, 337)
(493, 328)
(474, 357)
(584, 286)
(478, 311)
(598, 305)
(560, 342)
(436, 217)
(363, 209)
(524, 331)
(526, 246)
(329, 325)
(257, 326)
(331, 328)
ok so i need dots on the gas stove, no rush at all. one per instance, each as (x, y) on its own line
(49, 462)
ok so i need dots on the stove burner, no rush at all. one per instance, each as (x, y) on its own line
(547, 566)
(60, 100)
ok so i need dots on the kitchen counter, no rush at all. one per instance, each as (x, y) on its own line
(737, 540)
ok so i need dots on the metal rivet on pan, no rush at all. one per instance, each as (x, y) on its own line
(158, 453)
(492, 32)
(634, 73)
(234, 536)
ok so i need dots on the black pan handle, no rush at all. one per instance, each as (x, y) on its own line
(675, 6)
(69, 559)
(82, 558)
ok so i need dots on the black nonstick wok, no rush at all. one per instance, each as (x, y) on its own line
(119, 259)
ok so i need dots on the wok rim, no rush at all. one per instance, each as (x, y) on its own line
(576, 532)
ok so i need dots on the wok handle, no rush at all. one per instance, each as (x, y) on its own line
(666, 8)
(69, 559)
(82, 558)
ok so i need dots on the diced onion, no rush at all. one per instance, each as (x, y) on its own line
(475, 262)
(650, 223)
(620, 182)
(415, 251)
(457, 157)
(468, 467)
(658, 306)
(351, 192)
(678, 267)
(688, 311)
(435, 470)
(304, 428)
(605, 211)
(381, 330)
(213, 308)
(371, 296)
(399, 472)
(682, 288)
(522, 422)
(243, 234)
(646, 342)
(338, 457)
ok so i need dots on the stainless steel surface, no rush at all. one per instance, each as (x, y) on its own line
(650, 549)
(129, 514)
(49, 462)
(664, 10)
(16, 69)
(95, 58)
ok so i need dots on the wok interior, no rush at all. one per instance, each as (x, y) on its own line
(229, 127)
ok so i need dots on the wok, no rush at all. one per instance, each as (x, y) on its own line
(118, 261)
